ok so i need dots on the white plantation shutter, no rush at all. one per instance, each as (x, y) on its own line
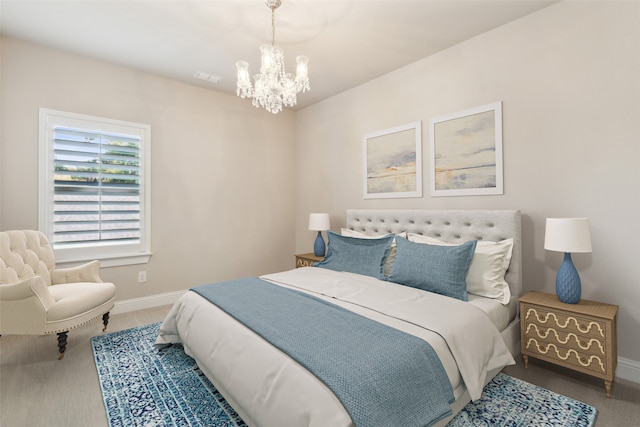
(94, 194)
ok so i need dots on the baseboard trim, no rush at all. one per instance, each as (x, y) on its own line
(628, 370)
(142, 303)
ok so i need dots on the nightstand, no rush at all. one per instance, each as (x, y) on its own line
(307, 260)
(579, 336)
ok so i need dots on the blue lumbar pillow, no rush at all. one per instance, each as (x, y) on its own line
(433, 268)
(354, 255)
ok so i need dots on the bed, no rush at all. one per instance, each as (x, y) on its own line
(269, 386)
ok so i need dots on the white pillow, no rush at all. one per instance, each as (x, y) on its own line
(388, 263)
(488, 266)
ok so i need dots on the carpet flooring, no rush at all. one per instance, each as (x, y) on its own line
(144, 386)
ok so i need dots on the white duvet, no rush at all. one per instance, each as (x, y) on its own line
(267, 388)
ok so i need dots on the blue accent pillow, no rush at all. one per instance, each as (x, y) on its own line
(439, 269)
(361, 256)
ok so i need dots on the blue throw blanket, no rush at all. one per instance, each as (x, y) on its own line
(382, 376)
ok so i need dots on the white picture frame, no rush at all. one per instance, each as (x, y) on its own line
(466, 152)
(392, 162)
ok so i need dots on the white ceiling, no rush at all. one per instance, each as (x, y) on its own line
(348, 42)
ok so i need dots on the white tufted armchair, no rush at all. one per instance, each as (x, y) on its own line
(38, 299)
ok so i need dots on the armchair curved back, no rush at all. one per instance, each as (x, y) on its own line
(25, 254)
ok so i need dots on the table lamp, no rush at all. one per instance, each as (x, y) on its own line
(568, 235)
(319, 222)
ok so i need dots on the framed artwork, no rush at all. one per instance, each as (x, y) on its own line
(466, 152)
(393, 162)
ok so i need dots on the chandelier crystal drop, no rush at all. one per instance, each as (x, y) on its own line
(273, 87)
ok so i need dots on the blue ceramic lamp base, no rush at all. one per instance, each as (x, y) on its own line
(318, 246)
(568, 287)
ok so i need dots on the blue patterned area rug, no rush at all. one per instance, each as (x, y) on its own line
(143, 386)
(508, 401)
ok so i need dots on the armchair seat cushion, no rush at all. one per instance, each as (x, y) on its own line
(73, 300)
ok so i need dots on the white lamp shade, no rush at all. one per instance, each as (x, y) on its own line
(319, 222)
(243, 72)
(268, 58)
(302, 70)
(567, 235)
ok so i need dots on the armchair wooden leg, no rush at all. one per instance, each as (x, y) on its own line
(105, 321)
(62, 343)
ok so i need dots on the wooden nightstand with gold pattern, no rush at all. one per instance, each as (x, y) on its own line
(579, 336)
(307, 260)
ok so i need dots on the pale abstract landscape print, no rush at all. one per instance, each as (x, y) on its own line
(391, 163)
(465, 152)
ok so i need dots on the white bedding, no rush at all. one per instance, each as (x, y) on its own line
(273, 390)
(499, 314)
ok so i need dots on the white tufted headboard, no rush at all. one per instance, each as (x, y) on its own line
(454, 226)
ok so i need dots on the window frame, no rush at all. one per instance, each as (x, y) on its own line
(109, 254)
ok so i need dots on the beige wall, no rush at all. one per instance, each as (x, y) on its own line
(222, 171)
(568, 77)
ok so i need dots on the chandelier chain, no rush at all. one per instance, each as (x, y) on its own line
(273, 26)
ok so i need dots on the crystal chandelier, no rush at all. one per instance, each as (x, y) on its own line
(273, 87)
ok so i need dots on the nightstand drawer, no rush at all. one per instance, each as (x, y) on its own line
(589, 345)
(578, 325)
(558, 353)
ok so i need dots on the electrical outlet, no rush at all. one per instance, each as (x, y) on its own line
(142, 276)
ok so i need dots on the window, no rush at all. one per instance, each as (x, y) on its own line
(95, 188)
